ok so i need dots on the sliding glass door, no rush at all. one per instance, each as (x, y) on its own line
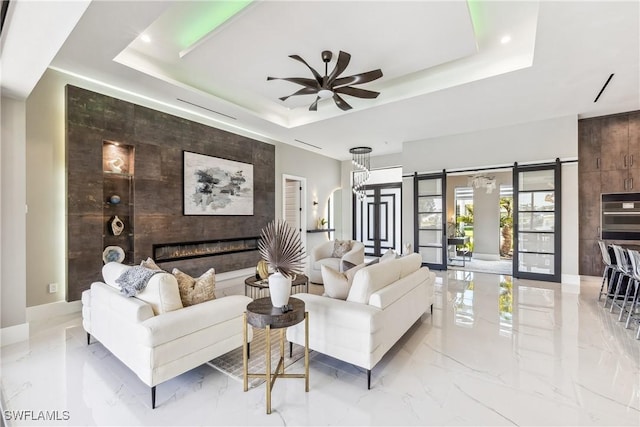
(537, 233)
(430, 219)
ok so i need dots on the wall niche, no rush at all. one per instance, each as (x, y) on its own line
(117, 148)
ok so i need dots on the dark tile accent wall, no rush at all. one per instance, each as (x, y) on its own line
(158, 140)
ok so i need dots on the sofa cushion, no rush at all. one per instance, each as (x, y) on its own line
(341, 247)
(196, 290)
(409, 264)
(371, 279)
(161, 293)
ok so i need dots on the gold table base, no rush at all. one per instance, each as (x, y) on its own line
(268, 376)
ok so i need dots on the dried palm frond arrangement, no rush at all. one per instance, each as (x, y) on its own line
(280, 245)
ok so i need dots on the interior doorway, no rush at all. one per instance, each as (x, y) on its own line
(294, 194)
(377, 218)
(480, 221)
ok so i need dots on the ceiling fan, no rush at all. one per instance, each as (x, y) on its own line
(330, 86)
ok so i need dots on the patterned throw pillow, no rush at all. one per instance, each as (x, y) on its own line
(150, 264)
(196, 290)
(341, 247)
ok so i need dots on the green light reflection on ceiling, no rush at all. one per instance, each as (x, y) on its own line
(475, 10)
(215, 14)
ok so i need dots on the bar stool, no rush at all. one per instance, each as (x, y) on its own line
(622, 275)
(608, 267)
(635, 300)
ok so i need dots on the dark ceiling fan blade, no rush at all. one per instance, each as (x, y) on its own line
(315, 73)
(341, 65)
(303, 91)
(354, 91)
(314, 106)
(341, 103)
(357, 79)
(298, 80)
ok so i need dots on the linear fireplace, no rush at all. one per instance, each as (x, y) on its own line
(165, 252)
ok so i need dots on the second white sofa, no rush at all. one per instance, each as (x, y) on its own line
(384, 301)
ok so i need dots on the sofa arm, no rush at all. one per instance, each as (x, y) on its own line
(175, 324)
(104, 298)
(356, 255)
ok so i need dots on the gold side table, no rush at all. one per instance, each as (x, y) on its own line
(261, 314)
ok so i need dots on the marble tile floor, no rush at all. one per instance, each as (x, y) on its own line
(495, 352)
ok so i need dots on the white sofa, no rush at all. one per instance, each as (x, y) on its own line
(323, 255)
(152, 334)
(384, 301)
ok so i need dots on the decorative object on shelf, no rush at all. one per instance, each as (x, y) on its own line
(115, 199)
(281, 247)
(483, 181)
(117, 226)
(215, 186)
(361, 160)
(262, 270)
(321, 223)
(116, 165)
(113, 254)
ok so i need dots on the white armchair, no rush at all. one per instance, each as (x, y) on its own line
(323, 255)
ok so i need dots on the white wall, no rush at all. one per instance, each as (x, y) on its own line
(323, 177)
(46, 196)
(12, 212)
(529, 142)
(525, 143)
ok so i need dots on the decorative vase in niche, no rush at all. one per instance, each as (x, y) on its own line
(279, 289)
(117, 226)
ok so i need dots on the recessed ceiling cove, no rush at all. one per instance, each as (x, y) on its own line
(232, 60)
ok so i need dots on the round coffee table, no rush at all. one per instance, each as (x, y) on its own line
(259, 288)
(261, 314)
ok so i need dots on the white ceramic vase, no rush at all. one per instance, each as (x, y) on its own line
(279, 289)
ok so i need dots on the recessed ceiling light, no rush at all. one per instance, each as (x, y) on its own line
(145, 38)
(505, 39)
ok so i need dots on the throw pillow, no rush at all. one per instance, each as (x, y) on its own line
(336, 284)
(196, 290)
(150, 264)
(341, 247)
(388, 255)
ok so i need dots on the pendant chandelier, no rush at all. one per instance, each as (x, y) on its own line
(483, 181)
(361, 160)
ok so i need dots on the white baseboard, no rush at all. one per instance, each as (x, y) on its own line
(486, 257)
(54, 309)
(14, 334)
(570, 283)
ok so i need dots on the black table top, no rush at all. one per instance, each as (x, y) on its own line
(261, 312)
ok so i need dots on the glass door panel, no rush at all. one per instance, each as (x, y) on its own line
(429, 219)
(377, 219)
(537, 222)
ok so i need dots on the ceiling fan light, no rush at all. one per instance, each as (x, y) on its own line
(325, 93)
